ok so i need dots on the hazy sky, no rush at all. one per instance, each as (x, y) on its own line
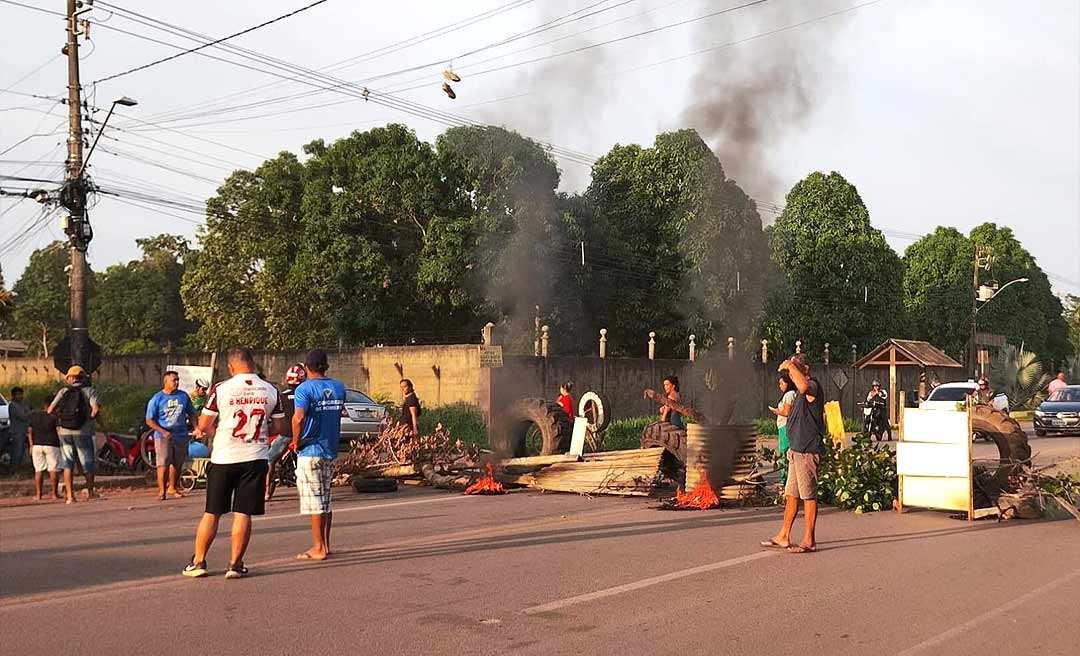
(941, 112)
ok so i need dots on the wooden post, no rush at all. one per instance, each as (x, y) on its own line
(764, 351)
(603, 343)
(826, 354)
(798, 346)
(693, 348)
(900, 479)
(545, 336)
(892, 383)
(488, 327)
(652, 345)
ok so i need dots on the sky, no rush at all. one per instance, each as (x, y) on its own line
(941, 112)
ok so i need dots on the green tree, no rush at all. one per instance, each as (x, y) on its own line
(937, 290)
(136, 306)
(1028, 314)
(841, 280)
(1072, 320)
(677, 246)
(7, 306)
(42, 299)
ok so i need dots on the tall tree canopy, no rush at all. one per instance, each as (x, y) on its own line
(937, 290)
(841, 281)
(136, 307)
(42, 299)
(672, 246)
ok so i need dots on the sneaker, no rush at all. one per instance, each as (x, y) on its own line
(236, 571)
(195, 570)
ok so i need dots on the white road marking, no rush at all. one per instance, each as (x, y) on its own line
(376, 506)
(961, 628)
(644, 583)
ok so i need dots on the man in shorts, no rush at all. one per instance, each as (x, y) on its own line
(316, 430)
(167, 414)
(45, 452)
(805, 426)
(247, 409)
(75, 408)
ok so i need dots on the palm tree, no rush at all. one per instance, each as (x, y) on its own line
(1020, 376)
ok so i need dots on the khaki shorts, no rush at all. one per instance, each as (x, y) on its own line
(802, 475)
(48, 458)
(170, 451)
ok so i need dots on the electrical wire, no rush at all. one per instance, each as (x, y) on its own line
(211, 43)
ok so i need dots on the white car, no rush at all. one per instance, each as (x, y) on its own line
(947, 395)
(5, 418)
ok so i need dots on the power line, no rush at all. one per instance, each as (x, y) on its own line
(212, 43)
(33, 8)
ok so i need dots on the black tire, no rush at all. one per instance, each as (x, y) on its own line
(529, 418)
(1040, 433)
(370, 485)
(1013, 448)
(596, 409)
(669, 436)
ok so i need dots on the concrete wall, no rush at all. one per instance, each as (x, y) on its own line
(441, 374)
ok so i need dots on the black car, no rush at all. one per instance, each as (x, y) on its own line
(1060, 413)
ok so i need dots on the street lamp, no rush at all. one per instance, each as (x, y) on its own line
(122, 100)
(980, 297)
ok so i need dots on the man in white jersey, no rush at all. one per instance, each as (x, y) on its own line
(247, 410)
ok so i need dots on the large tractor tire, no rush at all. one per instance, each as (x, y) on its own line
(533, 427)
(1013, 449)
(669, 436)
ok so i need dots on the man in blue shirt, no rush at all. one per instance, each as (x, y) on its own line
(316, 430)
(167, 415)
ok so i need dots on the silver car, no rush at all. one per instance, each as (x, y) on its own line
(360, 415)
(5, 421)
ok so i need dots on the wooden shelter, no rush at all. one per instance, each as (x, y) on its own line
(893, 353)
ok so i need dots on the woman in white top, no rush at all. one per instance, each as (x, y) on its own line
(788, 394)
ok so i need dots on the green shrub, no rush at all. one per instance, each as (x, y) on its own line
(122, 406)
(766, 426)
(465, 422)
(861, 477)
(625, 433)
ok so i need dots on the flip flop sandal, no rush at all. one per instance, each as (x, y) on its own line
(799, 549)
(773, 544)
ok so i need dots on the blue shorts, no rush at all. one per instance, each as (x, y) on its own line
(277, 448)
(79, 448)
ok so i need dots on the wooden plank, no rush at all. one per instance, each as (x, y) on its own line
(937, 492)
(938, 426)
(926, 459)
(530, 461)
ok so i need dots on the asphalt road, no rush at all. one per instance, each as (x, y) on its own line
(424, 572)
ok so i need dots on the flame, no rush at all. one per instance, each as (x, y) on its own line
(702, 497)
(487, 484)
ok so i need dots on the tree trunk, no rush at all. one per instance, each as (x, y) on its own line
(45, 340)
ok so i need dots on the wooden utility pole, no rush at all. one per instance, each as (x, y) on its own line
(74, 194)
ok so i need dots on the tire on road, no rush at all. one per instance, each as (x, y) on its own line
(525, 415)
(595, 407)
(669, 436)
(1012, 443)
(370, 485)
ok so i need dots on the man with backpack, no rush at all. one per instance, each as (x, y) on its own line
(75, 408)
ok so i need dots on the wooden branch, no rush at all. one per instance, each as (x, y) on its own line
(684, 410)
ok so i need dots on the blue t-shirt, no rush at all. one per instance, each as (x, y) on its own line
(321, 399)
(171, 411)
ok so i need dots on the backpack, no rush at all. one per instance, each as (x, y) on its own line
(73, 410)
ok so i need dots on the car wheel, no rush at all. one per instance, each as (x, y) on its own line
(1040, 432)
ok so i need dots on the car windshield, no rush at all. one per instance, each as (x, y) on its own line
(1066, 395)
(950, 394)
(352, 396)
(3, 401)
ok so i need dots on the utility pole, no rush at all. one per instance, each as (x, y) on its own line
(74, 194)
(982, 257)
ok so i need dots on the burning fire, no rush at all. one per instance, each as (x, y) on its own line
(487, 484)
(701, 497)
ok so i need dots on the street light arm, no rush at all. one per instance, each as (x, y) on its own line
(101, 130)
(1000, 289)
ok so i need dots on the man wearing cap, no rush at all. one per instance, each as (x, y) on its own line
(806, 427)
(316, 431)
(167, 415)
(75, 408)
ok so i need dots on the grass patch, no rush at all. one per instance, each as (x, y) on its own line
(465, 422)
(122, 406)
(625, 433)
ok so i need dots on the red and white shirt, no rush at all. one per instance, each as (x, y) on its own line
(244, 406)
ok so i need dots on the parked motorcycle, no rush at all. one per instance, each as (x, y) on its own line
(123, 453)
